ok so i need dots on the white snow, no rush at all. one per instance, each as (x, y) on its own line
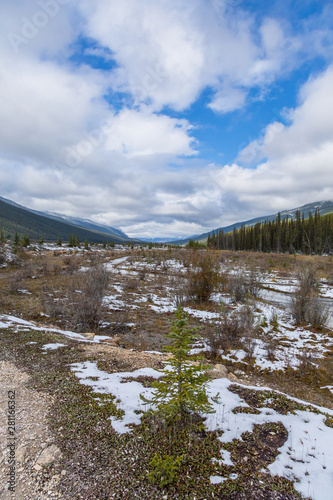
(51, 347)
(110, 265)
(217, 479)
(308, 451)
(18, 324)
(128, 393)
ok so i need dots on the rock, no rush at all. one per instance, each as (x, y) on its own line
(218, 371)
(113, 341)
(221, 369)
(88, 335)
(37, 467)
(21, 454)
(63, 472)
(48, 456)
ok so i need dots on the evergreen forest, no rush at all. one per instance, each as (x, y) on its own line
(313, 235)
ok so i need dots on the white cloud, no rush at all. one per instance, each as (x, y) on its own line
(139, 168)
(142, 133)
(298, 167)
(168, 52)
(228, 100)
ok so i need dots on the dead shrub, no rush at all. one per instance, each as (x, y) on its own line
(317, 313)
(231, 327)
(254, 281)
(85, 298)
(142, 273)
(15, 282)
(131, 285)
(45, 267)
(72, 263)
(179, 290)
(203, 276)
(238, 287)
(250, 345)
(52, 306)
(120, 319)
(306, 306)
(271, 347)
(242, 286)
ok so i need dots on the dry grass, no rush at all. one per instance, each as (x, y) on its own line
(52, 278)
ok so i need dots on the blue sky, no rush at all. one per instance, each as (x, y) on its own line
(166, 117)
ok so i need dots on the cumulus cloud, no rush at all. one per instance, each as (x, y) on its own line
(298, 166)
(64, 146)
(168, 52)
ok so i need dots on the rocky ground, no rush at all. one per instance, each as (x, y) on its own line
(34, 446)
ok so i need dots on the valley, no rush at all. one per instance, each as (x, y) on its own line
(89, 329)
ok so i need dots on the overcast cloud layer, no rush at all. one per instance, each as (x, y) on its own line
(97, 100)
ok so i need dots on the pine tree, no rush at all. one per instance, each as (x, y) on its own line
(59, 241)
(182, 390)
(2, 236)
(16, 242)
(25, 240)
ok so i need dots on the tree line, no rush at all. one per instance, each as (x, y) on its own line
(313, 235)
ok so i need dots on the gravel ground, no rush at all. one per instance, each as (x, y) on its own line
(33, 439)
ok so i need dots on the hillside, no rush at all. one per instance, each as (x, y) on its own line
(86, 224)
(76, 221)
(324, 207)
(16, 219)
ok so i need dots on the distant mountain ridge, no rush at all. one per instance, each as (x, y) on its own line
(324, 207)
(76, 221)
(16, 218)
(86, 223)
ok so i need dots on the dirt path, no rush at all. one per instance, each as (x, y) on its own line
(33, 441)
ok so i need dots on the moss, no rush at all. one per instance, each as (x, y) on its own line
(329, 420)
(246, 409)
(269, 399)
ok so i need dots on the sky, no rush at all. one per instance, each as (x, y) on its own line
(166, 118)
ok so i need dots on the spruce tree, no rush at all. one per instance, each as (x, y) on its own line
(182, 390)
(16, 242)
(72, 240)
(3, 238)
(25, 240)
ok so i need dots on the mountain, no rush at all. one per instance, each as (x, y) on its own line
(16, 218)
(86, 224)
(76, 221)
(324, 207)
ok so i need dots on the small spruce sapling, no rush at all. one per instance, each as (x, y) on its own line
(182, 389)
(16, 242)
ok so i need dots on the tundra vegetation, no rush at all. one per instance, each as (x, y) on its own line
(257, 319)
